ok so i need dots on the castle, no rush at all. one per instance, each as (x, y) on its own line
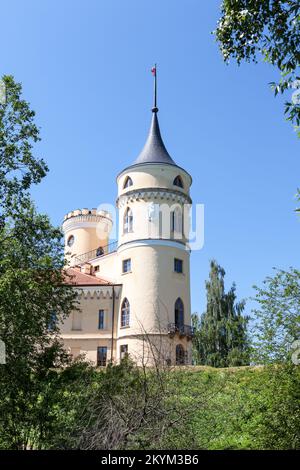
(134, 293)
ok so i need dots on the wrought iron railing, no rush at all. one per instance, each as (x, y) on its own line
(182, 330)
(97, 253)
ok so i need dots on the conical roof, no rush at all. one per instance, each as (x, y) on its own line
(154, 150)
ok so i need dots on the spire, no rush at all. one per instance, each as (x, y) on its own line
(154, 150)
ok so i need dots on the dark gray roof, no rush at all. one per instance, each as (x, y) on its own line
(154, 150)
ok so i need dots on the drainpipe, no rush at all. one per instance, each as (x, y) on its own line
(112, 323)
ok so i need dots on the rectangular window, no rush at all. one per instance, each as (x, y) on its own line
(96, 269)
(178, 265)
(101, 356)
(52, 322)
(101, 320)
(76, 321)
(123, 350)
(126, 265)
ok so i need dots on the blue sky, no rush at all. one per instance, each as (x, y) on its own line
(85, 68)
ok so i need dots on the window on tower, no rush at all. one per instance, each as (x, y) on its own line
(178, 182)
(178, 265)
(177, 222)
(128, 221)
(128, 182)
(126, 265)
(125, 313)
(71, 240)
(180, 355)
(179, 314)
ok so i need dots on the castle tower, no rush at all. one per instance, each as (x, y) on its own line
(86, 231)
(153, 249)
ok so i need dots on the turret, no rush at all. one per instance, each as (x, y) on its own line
(85, 230)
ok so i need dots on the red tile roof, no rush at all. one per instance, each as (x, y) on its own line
(77, 278)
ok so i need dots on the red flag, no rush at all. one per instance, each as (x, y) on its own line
(153, 70)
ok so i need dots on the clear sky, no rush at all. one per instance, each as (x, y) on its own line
(85, 68)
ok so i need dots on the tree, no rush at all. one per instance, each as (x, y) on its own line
(221, 333)
(248, 29)
(277, 320)
(33, 297)
(19, 168)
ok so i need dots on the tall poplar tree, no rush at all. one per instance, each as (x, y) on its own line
(221, 332)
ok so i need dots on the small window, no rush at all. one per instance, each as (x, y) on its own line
(128, 221)
(71, 240)
(125, 313)
(101, 320)
(76, 321)
(178, 182)
(180, 355)
(101, 356)
(126, 265)
(96, 268)
(178, 265)
(128, 182)
(52, 321)
(123, 350)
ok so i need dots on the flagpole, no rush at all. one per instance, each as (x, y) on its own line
(155, 109)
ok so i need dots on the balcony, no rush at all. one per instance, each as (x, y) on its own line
(97, 253)
(182, 330)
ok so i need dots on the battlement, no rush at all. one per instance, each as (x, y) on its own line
(93, 213)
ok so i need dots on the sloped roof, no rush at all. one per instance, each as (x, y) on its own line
(75, 277)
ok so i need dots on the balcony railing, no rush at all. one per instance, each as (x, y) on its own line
(182, 330)
(97, 253)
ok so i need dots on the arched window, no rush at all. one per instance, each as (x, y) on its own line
(177, 221)
(128, 182)
(128, 221)
(179, 314)
(180, 355)
(125, 313)
(178, 182)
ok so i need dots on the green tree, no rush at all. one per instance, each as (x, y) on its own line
(248, 29)
(19, 168)
(277, 319)
(33, 297)
(221, 334)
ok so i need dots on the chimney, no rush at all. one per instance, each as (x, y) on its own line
(86, 268)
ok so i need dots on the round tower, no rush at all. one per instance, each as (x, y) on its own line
(153, 202)
(85, 230)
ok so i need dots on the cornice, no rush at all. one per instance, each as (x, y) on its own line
(98, 292)
(150, 194)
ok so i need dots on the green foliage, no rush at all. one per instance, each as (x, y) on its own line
(237, 408)
(19, 168)
(277, 322)
(221, 332)
(33, 298)
(121, 407)
(268, 28)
